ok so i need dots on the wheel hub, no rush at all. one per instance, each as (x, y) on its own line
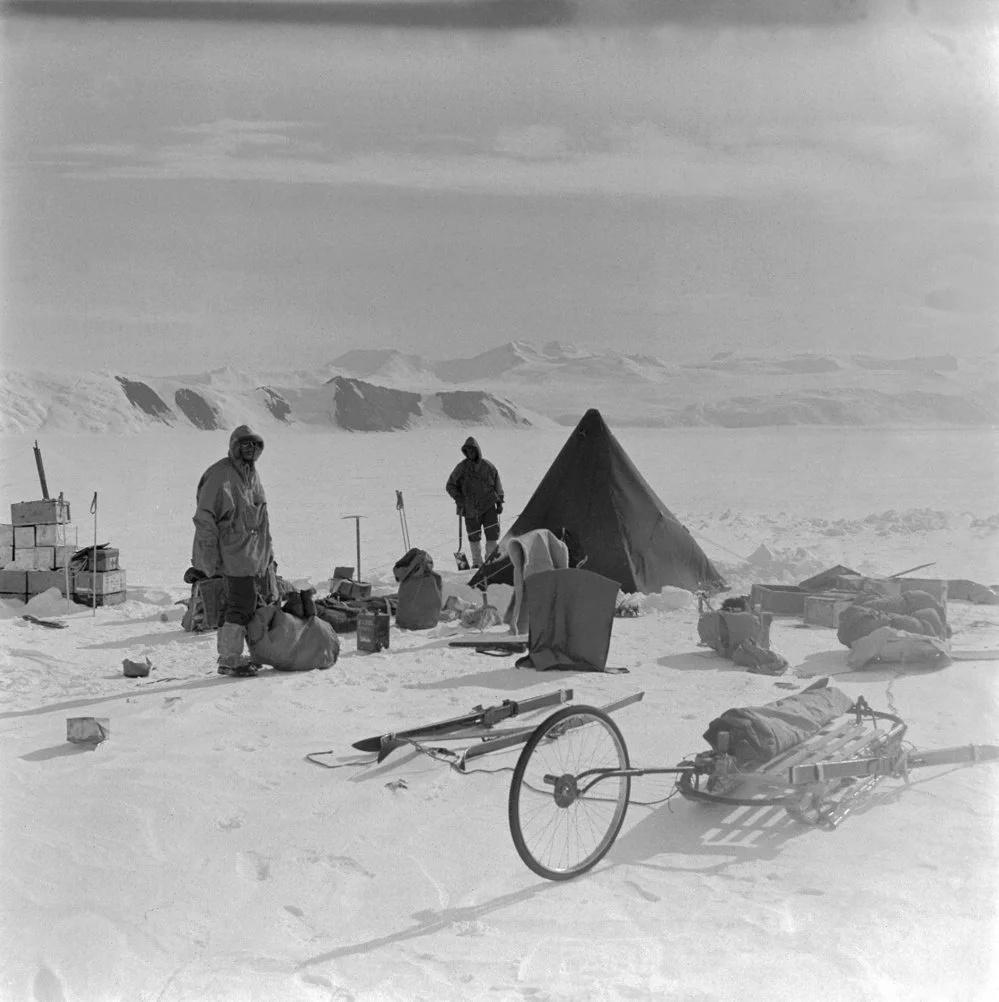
(566, 791)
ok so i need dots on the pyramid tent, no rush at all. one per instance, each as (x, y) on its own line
(594, 497)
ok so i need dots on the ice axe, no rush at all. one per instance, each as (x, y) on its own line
(459, 557)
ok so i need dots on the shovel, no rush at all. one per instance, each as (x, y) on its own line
(459, 557)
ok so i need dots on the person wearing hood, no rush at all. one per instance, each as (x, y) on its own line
(475, 487)
(232, 539)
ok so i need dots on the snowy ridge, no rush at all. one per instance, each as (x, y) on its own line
(222, 399)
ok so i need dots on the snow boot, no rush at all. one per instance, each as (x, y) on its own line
(476, 547)
(232, 660)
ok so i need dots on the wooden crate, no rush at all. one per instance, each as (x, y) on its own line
(48, 512)
(14, 584)
(60, 534)
(35, 558)
(39, 581)
(63, 555)
(6, 555)
(824, 609)
(781, 600)
(6, 534)
(87, 598)
(103, 582)
(107, 559)
(24, 537)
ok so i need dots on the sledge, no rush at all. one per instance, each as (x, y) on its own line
(480, 717)
(571, 785)
(52, 624)
(488, 645)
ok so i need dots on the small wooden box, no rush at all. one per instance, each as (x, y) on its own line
(48, 512)
(24, 537)
(781, 600)
(6, 534)
(107, 559)
(6, 555)
(35, 558)
(39, 581)
(103, 582)
(824, 609)
(61, 534)
(351, 589)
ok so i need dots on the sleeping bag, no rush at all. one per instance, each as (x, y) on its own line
(288, 643)
(758, 733)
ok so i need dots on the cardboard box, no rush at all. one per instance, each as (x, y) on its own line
(6, 534)
(781, 600)
(61, 534)
(48, 512)
(87, 598)
(103, 582)
(824, 609)
(6, 555)
(35, 558)
(24, 537)
(39, 581)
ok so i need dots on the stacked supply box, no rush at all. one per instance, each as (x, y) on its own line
(36, 551)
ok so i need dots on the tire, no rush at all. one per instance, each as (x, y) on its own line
(564, 825)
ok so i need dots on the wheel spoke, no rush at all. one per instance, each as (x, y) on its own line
(558, 831)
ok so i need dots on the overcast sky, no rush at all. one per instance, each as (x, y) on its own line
(668, 176)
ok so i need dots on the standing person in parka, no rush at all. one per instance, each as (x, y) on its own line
(475, 486)
(232, 538)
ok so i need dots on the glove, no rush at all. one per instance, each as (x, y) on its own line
(499, 507)
(459, 510)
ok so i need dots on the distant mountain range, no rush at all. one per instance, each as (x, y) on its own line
(732, 390)
(518, 385)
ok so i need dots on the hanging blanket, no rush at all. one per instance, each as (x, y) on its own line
(758, 733)
(534, 551)
(570, 617)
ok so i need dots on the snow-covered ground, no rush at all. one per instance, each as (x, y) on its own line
(197, 855)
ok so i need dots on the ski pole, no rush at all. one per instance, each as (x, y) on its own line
(401, 505)
(93, 566)
(357, 529)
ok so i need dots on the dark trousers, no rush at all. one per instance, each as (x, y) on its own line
(240, 599)
(488, 521)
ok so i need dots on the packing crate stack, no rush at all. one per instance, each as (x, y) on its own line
(36, 553)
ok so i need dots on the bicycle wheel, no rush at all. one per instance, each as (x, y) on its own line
(567, 803)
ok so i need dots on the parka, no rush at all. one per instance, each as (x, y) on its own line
(232, 534)
(474, 483)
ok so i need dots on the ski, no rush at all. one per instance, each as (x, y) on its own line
(480, 716)
(520, 736)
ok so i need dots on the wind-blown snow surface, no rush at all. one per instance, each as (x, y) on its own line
(197, 855)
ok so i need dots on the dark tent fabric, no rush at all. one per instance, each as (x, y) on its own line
(594, 498)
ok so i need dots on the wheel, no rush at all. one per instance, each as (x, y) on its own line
(563, 816)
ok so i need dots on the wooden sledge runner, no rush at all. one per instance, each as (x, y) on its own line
(572, 783)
